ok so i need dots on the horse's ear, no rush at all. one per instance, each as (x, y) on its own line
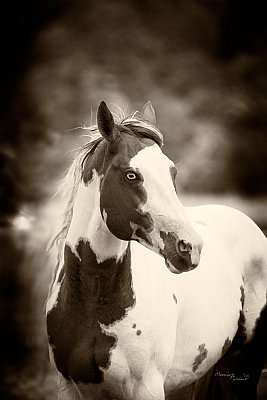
(148, 113)
(105, 122)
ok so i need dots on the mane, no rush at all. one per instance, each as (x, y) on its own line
(68, 186)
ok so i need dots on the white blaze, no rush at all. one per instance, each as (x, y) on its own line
(162, 202)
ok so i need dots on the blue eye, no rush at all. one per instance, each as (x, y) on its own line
(131, 176)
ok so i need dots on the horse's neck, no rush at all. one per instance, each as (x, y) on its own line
(87, 224)
(97, 265)
(93, 290)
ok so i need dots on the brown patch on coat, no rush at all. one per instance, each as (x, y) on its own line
(226, 345)
(203, 352)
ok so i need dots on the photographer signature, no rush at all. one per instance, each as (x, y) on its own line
(232, 376)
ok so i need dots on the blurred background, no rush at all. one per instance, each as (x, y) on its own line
(202, 63)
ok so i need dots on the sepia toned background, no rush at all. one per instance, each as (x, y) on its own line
(202, 63)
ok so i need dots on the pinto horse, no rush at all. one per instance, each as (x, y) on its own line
(125, 317)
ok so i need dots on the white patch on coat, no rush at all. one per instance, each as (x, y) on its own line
(56, 285)
(247, 245)
(162, 202)
(52, 299)
(139, 356)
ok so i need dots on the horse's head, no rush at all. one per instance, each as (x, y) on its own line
(138, 199)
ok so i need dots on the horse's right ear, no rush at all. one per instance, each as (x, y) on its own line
(148, 113)
(105, 122)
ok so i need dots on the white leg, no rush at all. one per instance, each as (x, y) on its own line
(150, 387)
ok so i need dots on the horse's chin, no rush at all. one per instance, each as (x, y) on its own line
(177, 265)
(171, 267)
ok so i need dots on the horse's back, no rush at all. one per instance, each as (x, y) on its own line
(239, 235)
(231, 225)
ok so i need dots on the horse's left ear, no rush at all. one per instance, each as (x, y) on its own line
(105, 123)
(148, 113)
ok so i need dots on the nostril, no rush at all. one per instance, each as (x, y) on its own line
(183, 247)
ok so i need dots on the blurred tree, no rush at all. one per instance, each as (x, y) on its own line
(244, 38)
(20, 24)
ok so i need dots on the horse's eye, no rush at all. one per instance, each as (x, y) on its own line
(131, 176)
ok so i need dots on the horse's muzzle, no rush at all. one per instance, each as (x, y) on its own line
(189, 251)
(181, 255)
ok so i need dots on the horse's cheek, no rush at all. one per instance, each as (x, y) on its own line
(118, 224)
(112, 208)
(118, 205)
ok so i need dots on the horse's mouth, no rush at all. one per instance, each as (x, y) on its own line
(171, 267)
(178, 261)
(182, 266)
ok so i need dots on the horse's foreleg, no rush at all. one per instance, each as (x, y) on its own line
(67, 390)
(150, 386)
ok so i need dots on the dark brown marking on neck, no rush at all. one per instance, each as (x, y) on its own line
(91, 294)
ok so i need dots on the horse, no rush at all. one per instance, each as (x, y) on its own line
(149, 297)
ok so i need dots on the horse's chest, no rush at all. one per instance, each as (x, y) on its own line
(86, 301)
(145, 341)
(80, 349)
